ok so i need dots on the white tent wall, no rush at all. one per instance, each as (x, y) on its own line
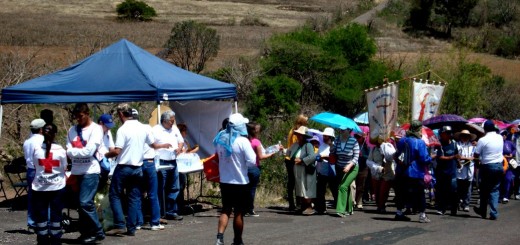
(204, 119)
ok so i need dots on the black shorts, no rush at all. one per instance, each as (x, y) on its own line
(234, 197)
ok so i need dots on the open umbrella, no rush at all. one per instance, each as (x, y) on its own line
(428, 136)
(361, 118)
(445, 120)
(336, 121)
(477, 120)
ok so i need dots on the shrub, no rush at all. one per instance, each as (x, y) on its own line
(135, 10)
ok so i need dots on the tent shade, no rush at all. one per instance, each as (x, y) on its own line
(122, 72)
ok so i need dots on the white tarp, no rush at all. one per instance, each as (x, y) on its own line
(426, 99)
(203, 119)
(382, 110)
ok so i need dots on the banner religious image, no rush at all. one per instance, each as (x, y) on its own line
(426, 99)
(382, 110)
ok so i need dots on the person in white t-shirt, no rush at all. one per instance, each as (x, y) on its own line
(106, 122)
(235, 155)
(48, 187)
(35, 140)
(126, 181)
(83, 141)
(166, 132)
(489, 153)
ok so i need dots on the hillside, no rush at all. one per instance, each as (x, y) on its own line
(62, 31)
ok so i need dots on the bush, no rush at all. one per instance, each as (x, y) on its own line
(135, 10)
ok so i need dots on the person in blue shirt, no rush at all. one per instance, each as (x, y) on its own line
(446, 173)
(412, 157)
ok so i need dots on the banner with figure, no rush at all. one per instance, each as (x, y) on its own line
(382, 110)
(426, 99)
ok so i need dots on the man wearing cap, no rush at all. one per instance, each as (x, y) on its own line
(167, 133)
(106, 122)
(83, 141)
(488, 153)
(235, 155)
(465, 167)
(34, 141)
(412, 157)
(129, 149)
(446, 173)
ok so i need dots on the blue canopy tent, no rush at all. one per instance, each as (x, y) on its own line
(122, 72)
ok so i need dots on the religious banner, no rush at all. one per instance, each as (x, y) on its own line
(426, 99)
(382, 110)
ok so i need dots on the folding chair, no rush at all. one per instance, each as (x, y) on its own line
(16, 172)
(2, 187)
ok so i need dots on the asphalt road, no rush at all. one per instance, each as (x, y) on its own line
(276, 226)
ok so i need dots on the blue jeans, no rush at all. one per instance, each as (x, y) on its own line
(88, 217)
(150, 187)
(126, 179)
(170, 188)
(43, 202)
(31, 172)
(253, 173)
(491, 175)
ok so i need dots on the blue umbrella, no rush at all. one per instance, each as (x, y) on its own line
(362, 118)
(336, 121)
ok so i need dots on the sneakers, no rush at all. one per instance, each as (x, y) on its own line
(157, 227)
(424, 219)
(116, 232)
(219, 242)
(439, 212)
(251, 214)
(505, 200)
(401, 217)
(359, 207)
(341, 215)
(174, 217)
(517, 197)
(138, 227)
(466, 209)
(308, 211)
(163, 221)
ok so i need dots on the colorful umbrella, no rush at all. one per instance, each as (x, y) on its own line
(428, 136)
(444, 120)
(477, 120)
(361, 118)
(336, 121)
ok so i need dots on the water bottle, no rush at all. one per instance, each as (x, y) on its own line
(272, 149)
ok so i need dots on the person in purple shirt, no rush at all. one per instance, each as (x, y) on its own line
(507, 182)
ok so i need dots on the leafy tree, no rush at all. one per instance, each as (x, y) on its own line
(352, 43)
(191, 45)
(455, 13)
(420, 13)
(135, 10)
(273, 96)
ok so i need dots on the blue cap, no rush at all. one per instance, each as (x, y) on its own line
(107, 120)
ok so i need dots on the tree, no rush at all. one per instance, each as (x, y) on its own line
(191, 45)
(135, 10)
(420, 13)
(454, 13)
(273, 96)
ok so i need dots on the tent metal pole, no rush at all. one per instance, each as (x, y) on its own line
(158, 112)
(236, 106)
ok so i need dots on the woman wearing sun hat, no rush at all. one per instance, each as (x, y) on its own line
(325, 171)
(465, 167)
(302, 154)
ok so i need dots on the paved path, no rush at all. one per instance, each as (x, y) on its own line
(276, 226)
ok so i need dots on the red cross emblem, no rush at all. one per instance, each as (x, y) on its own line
(76, 143)
(48, 163)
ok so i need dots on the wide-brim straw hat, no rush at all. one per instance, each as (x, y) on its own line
(301, 130)
(466, 132)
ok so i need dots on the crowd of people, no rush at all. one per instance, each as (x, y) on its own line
(145, 165)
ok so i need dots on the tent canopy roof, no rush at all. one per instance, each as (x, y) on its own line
(122, 72)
